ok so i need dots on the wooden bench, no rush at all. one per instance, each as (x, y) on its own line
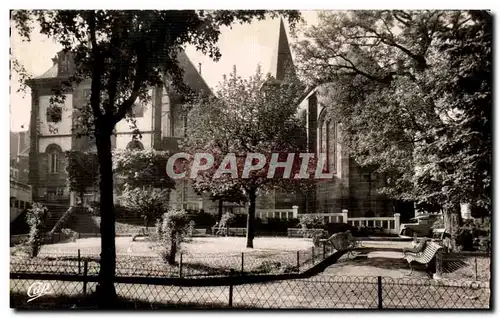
(423, 257)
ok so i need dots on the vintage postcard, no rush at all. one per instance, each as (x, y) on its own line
(250, 159)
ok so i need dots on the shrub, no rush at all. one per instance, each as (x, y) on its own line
(68, 235)
(308, 222)
(227, 220)
(473, 235)
(203, 219)
(191, 228)
(36, 218)
(174, 226)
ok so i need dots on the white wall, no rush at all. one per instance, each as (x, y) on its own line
(144, 123)
(65, 125)
(63, 142)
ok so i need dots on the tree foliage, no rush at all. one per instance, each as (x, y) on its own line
(36, 217)
(123, 53)
(82, 171)
(150, 203)
(412, 90)
(255, 115)
(140, 168)
(174, 226)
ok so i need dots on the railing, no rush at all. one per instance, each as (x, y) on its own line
(388, 224)
(284, 214)
(328, 292)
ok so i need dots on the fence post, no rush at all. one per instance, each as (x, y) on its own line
(85, 271)
(379, 292)
(439, 265)
(180, 265)
(397, 222)
(475, 268)
(345, 216)
(298, 261)
(79, 266)
(242, 262)
(231, 274)
(312, 250)
(324, 250)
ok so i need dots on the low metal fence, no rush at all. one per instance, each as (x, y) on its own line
(327, 292)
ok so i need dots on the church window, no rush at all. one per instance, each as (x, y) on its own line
(53, 161)
(327, 143)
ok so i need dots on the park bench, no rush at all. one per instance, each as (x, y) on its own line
(342, 241)
(424, 256)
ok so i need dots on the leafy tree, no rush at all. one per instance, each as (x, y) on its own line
(248, 116)
(83, 171)
(230, 194)
(142, 168)
(124, 53)
(174, 226)
(412, 91)
(36, 217)
(151, 203)
(308, 223)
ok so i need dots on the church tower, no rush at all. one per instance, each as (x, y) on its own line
(282, 61)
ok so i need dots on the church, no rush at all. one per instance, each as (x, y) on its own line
(162, 125)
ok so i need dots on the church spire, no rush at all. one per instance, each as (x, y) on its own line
(282, 61)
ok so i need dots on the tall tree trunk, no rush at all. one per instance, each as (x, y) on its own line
(251, 217)
(106, 289)
(452, 221)
(220, 210)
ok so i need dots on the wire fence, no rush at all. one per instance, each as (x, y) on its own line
(469, 267)
(186, 265)
(328, 292)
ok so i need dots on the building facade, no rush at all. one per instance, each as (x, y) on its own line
(162, 124)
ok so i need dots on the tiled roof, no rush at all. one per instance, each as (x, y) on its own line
(191, 76)
(50, 73)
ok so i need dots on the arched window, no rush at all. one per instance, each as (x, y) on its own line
(135, 145)
(53, 152)
(328, 142)
(53, 161)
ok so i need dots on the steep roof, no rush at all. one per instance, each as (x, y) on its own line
(282, 61)
(50, 73)
(191, 76)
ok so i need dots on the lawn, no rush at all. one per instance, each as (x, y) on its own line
(203, 246)
(200, 257)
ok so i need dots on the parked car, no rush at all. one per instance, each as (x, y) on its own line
(422, 226)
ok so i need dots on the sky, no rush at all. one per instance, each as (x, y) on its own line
(245, 46)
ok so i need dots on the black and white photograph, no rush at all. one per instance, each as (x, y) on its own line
(222, 159)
